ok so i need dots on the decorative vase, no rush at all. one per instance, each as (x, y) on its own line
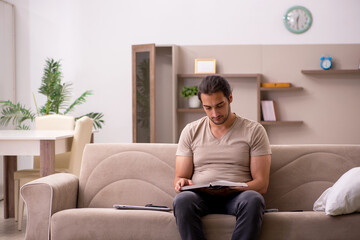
(194, 102)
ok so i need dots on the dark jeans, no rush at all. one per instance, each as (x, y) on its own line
(247, 206)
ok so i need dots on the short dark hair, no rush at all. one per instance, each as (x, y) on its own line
(212, 84)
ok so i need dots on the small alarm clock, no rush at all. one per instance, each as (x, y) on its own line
(326, 63)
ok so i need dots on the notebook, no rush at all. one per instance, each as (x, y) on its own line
(147, 207)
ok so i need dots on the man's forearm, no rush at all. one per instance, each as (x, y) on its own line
(256, 185)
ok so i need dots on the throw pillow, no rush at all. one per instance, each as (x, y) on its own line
(344, 196)
(320, 203)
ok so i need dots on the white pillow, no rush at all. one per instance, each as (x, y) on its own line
(343, 197)
(320, 204)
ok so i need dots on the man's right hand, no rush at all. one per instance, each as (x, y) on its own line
(182, 182)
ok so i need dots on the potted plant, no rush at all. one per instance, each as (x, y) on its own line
(191, 93)
(57, 95)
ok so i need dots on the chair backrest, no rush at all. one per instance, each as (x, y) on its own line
(82, 136)
(55, 122)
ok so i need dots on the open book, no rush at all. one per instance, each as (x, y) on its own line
(214, 185)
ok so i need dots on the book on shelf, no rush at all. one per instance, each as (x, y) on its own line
(268, 110)
(214, 185)
(273, 84)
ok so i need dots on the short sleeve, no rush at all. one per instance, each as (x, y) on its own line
(259, 144)
(184, 145)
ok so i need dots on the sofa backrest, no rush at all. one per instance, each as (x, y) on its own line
(127, 173)
(139, 174)
(300, 173)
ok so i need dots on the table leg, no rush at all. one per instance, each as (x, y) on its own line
(92, 138)
(10, 166)
(47, 157)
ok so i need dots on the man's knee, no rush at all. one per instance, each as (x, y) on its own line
(183, 199)
(184, 202)
(252, 201)
(255, 198)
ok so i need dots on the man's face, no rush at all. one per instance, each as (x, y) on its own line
(217, 107)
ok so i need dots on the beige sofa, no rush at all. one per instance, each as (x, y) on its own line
(61, 206)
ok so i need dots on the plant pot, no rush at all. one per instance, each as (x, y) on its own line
(194, 102)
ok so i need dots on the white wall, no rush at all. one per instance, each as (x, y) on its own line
(93, 38)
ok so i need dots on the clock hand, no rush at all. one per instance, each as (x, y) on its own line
(297, 21)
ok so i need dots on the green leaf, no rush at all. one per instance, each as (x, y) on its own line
(16, 114)
(80, 100)
(188, 91)
(51, 83)
(60, 98)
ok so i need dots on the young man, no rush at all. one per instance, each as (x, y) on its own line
(221, 146)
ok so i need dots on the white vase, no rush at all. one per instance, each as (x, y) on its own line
(194, 102)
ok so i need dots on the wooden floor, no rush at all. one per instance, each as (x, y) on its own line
(8, 227)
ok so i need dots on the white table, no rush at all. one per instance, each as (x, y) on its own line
(15, 143)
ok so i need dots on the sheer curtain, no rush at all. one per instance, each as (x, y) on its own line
(7, 62)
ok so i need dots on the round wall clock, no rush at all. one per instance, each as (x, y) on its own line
(297, 19)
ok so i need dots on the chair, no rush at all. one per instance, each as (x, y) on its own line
(53, 122)
(82, 136)
(48, 122)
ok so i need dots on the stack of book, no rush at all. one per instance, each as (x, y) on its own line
(268, 85)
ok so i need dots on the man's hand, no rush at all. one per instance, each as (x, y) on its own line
(182, 182)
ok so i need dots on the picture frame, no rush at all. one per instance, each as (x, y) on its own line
(205, 66)
(268, 110)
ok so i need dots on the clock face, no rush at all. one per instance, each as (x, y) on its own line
(297, 19)
(326, 64)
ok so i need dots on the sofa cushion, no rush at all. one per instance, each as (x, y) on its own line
(108, 223)
(218, 226)
(309, 225)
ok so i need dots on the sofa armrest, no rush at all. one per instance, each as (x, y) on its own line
(44, 197)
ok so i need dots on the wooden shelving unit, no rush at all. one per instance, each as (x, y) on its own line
(256, 76)
(281, 89)
(225, 75)
(332, 71)
(260, 90)
(269, 123)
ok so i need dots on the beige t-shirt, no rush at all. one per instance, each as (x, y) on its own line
(227, 158)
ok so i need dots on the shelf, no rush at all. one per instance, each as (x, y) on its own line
(228, 75)
(335, 71)
(190, 110)
(281, 122)
(268, 89)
